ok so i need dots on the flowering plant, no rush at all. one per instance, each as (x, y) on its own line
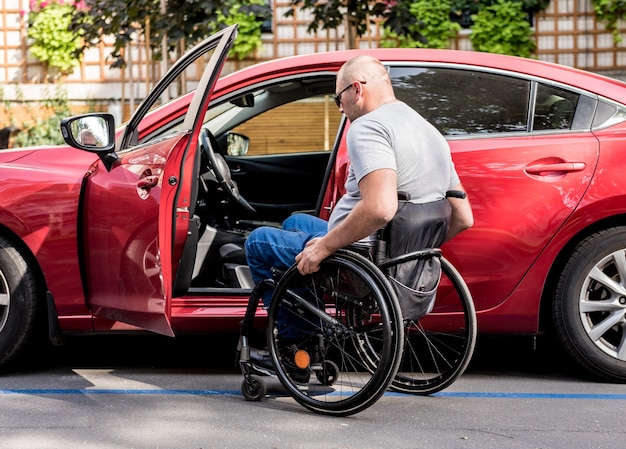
(51, 40)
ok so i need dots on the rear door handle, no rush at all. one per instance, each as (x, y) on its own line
(559, 167)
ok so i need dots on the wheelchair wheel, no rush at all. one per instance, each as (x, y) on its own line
(438, 348)
(253, 388)
(313, 322)
(328, 373)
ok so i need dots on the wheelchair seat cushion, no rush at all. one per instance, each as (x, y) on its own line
(416, 227)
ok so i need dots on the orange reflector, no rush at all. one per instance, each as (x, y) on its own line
(302, 359)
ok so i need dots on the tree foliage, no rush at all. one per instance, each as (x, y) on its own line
(331, 14)
(242, 14)
(183, 22)
(611, 11)
(502, 28)
(432, 22)
(396, 15)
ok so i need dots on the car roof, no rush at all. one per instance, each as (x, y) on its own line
(332, 61)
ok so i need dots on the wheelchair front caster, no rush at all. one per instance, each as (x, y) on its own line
(253, 388)
(328, 373)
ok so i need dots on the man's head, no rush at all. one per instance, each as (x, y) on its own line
(362, 85)
(86, 137)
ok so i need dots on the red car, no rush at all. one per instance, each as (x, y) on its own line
(137, 232)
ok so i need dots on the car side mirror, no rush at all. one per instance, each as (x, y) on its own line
(92, 132)
(237, 144)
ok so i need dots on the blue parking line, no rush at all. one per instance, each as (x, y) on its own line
(460, 394)
(453, 394)
(45, 391)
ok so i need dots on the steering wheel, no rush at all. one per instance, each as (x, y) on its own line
(219, 167)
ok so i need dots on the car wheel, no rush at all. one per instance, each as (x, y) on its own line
(18, 301)
(589, 306)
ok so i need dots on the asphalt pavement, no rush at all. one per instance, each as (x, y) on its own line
(148, 392)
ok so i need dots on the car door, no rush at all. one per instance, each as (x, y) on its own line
(525, 153)
(139, 226)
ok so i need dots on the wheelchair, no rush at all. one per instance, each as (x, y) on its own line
(337, 339)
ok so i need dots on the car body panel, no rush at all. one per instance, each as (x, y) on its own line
(123, 259)
(497, 170)
(39, 199)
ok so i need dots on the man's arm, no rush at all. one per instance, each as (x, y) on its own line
(462, 216)
(378, 205)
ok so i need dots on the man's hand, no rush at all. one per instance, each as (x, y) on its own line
(312, 255)
(378, 205)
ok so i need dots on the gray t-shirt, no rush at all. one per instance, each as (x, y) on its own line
(395, 136)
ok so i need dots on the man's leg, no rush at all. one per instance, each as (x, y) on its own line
(309, 224)
(268, 247)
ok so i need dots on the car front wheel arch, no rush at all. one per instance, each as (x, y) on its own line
(21, 304)
(589, 304)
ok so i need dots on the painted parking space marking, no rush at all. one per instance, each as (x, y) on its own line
(455, 394)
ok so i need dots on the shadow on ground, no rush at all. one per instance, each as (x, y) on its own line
(218, 352)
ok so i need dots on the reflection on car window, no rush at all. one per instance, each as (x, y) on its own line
(554, 108)
(464, 101)
(301, 126)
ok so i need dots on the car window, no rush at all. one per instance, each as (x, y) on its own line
(459, 101)
(608, 113)
(200, 65)
(301, 126)
(554, 108)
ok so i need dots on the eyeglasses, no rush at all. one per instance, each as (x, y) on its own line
(337, 97)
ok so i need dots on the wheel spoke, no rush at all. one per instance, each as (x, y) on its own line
(4, 299)
(601, 328)
(620, 264)
(607, 305)
(599, 276)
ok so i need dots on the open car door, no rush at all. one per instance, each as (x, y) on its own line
(139, 230)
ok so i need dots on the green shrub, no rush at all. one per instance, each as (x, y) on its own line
(243, 13)
(610, 12)
(432, 23)
(51, 40)
(502, 28)
(43, 125)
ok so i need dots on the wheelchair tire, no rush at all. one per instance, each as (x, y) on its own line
(323, 314)
(439, 347)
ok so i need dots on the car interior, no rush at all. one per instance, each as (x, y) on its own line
(226, 216)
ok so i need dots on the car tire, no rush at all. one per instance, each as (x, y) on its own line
(589, 305)
(18, 301)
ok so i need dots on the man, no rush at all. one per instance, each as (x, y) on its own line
(392, 148)
(86, 137)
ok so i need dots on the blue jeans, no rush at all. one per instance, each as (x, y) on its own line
(268, 247)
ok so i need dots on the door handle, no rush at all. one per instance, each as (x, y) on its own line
(559, 167)
(147, 182)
